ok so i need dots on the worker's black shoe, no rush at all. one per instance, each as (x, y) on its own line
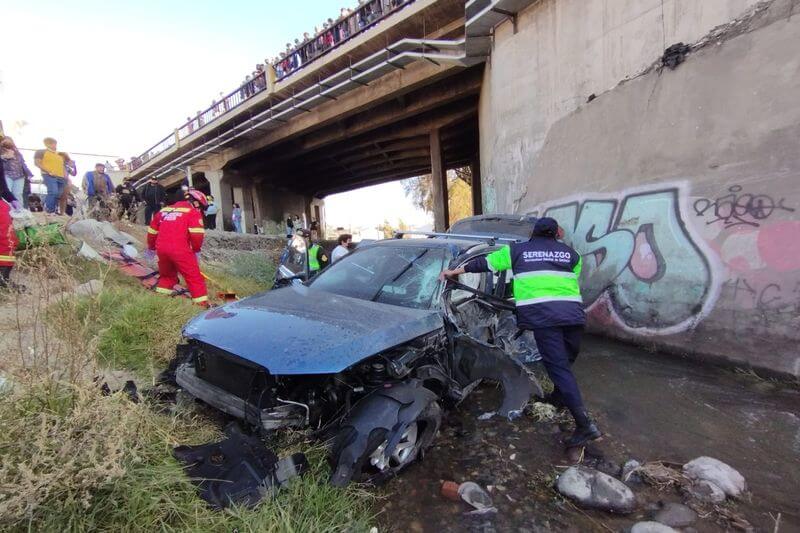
(582, 435)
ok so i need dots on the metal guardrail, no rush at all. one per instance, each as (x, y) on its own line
(342, 31)
(467, 51)
(393, 57)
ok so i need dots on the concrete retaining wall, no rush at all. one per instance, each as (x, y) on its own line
(680, 187)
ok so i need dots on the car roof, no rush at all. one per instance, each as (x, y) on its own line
(462, 245)
(517, 227)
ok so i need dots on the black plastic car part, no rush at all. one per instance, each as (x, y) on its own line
(382, 416)
(238, 470)
(474, 360)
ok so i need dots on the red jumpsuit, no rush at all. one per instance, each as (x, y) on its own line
(176, 234)
(8, 238)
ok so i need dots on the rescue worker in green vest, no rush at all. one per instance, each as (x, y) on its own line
(548, 302)
(317, 258)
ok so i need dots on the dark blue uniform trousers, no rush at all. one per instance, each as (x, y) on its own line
(559, 347)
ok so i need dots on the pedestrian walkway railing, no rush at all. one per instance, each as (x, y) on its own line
(365, 17)
(473, 48)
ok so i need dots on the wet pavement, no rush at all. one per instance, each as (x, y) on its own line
(652, 407)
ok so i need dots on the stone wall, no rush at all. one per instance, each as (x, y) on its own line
(680, 187)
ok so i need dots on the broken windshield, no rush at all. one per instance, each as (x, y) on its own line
(406, 276)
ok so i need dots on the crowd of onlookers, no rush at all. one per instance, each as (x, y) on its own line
(331, 33)
(304, 50)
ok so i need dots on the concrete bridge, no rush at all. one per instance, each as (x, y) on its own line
(673, 169)
(397, 100)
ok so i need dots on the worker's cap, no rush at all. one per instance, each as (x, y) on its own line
(545, 227)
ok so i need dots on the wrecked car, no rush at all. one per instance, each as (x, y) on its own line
(368, 352)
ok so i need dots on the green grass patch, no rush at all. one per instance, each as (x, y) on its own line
(246, 274)
(136, 329)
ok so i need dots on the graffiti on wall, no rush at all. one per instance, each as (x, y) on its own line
(639, 257)
(737, 207)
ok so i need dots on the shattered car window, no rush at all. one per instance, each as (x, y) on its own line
(405, 276)
(293, 259)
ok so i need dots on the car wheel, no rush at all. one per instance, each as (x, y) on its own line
(378, 464)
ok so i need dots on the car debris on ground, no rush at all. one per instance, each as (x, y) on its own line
(239, 470)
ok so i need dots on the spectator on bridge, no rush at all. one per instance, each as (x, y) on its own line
(97, 186)
(200, 120)
(50, 162)
(236, 217)
(16, 171)
(70, 169)
(154, 196)
(190, 125)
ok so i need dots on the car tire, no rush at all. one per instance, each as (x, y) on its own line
(375, 466)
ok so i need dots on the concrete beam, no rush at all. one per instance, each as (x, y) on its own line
(382, 91)
(441, 208)
(376, 179)
(443, 118)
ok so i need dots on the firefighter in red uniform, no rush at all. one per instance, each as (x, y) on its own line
(176, 234)
(8, 243)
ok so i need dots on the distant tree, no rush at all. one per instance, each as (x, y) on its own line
(459, 192)
(386, 229)
(401, 225)
(420, 192)
(460, 200)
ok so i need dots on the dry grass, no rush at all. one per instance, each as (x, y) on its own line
(72, 459)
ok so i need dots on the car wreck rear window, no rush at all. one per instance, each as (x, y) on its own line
(406, 276)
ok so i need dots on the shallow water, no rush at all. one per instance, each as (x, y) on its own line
(651, 407)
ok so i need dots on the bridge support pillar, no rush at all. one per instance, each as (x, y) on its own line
(477, 191)
(441, 208)
(221, 193)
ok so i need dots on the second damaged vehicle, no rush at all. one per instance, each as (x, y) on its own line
(368, 352)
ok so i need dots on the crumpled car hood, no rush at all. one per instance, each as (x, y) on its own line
(299, 330)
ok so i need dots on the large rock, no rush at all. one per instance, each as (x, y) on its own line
(595, 489)
(675, 515)
(705, 491)
(715, 471)
(651, 527)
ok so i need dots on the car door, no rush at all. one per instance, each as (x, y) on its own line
(485, 340)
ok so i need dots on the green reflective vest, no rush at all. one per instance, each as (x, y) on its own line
(313, 258)
(553, 280)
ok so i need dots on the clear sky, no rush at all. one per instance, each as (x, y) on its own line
(113, 78)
